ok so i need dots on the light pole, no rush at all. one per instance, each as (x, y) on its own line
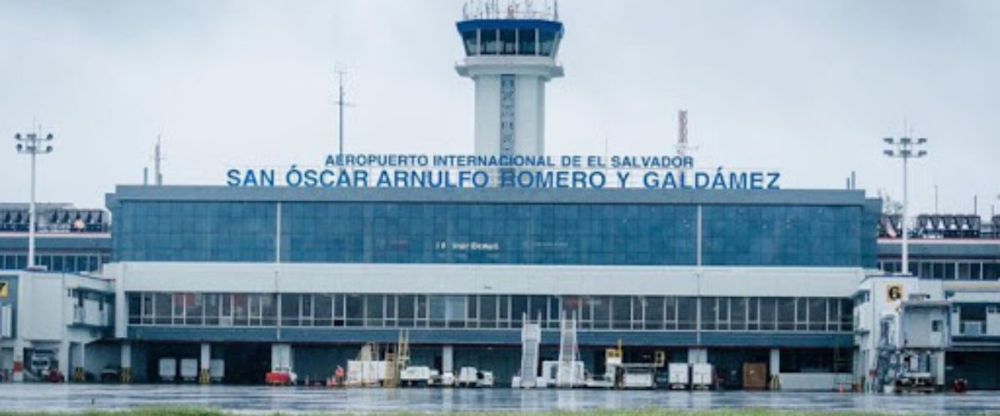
(905, 148)
(34, 145)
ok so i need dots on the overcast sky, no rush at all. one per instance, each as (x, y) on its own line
(805, 87)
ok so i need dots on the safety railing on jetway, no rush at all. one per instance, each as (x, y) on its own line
(973, 328)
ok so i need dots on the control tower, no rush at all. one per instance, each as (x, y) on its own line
(510, 53)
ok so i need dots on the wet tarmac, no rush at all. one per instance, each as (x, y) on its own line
(48, 397)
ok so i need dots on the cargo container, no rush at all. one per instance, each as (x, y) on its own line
(189, 369)
(168, 369)
(702, 376)
(754, 376)
(680, 376)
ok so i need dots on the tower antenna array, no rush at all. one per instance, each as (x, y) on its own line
(683, 147)
(341, 103)
(157, 162)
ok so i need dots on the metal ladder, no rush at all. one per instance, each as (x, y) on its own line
(569, 353)
(531, 337)
(397, 360)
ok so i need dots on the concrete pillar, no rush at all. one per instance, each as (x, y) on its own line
(448, 359)
(126, 362)
(80, 363)
(774, 366)
(774, 369)
(697, 355)
(281, 357)
(63, 358)
(17, 371)
(204, 373)
(939, 368)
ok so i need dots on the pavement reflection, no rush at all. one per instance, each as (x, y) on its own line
(61, 398)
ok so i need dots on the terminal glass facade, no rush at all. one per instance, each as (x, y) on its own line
(492, 233)
(645, 313)
(782, 235)
(195, 231)
(948, 269)
(56, 262)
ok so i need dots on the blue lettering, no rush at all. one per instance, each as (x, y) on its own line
(756, 180)
(650, 180)
(773, 183)
(233, 176)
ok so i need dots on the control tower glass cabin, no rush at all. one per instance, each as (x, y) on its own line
(510, 57)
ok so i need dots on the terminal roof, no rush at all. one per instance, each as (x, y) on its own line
(490, 195)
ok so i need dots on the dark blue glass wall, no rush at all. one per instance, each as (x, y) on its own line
(494, 233)
(194, 231)
(781, 235)
(373, 232)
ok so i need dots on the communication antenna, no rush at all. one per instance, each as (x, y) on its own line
(852, 181)
(607, 158)
(157, 159)
(340, 107)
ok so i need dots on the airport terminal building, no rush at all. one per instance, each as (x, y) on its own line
(723, 276)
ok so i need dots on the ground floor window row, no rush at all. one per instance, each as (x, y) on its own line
(64, 263)
(678, 313)
(947, 269)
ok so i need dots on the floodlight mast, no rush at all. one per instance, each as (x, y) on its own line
(33, 144)
(905, 148)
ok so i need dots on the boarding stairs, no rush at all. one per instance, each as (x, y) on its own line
(569, 354)
(531, 337)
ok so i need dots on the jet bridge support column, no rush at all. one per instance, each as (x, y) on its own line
(126, 362)
(204, 373)
(63, 358)
(17, 371)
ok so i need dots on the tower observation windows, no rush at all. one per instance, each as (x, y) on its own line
(490, 42)
(471, 41)
(526, 42)
(508, 41)
(546, 42)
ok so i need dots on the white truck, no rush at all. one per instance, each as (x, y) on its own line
(485, 379)
(472, 377)
(638, 376)
(702, 376)
(679, 376)
(415, 376)
(168, 369)
(446, 379)
(42, 361)
(217, 370)
(467, 377)
(189, 369)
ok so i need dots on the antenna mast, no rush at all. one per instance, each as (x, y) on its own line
(683, 147)
(157, 158)
(340, 107)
